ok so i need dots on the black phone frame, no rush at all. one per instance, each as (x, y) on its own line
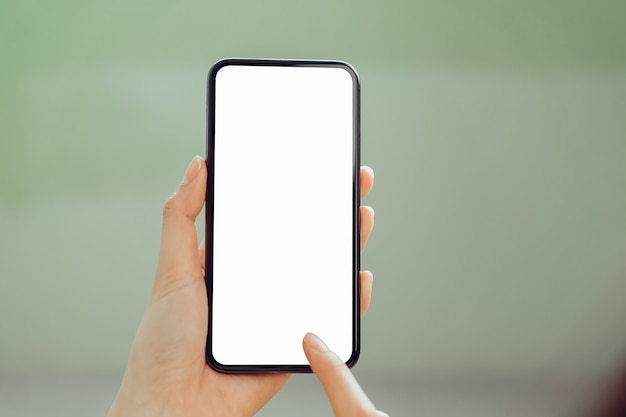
(209, 211)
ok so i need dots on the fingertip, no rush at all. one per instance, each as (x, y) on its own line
(369, 170)
(367, 278)
(191, 173)
(189, 197)
(367, 281)
(366, 224)
(305, 339)
(366, 178)
(312, 341)
(319, 354)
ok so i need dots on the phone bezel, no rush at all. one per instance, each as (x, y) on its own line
(209, 211)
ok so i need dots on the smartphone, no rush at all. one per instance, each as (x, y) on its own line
(282, 204)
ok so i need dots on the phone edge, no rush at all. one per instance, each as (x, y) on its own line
(209, 211)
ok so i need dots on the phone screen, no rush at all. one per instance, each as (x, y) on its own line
(282, 212)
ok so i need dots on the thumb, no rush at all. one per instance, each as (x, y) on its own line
(178, 257)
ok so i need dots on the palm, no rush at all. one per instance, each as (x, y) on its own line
(240, 395)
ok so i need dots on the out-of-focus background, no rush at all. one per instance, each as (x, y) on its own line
(497, 131)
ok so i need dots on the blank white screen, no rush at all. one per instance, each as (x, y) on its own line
(283, 207)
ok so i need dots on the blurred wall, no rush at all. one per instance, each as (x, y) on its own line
(497, 131)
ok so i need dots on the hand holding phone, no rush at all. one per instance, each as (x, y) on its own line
(166, 373)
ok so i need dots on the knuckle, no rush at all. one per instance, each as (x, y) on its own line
(169, 207)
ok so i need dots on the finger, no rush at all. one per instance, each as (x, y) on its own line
(366, 223)
(343, 391)
(366, 179)
(202, 254)
(367, 280)
(178, 257)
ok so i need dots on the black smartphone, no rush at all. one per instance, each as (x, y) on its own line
(282, 204)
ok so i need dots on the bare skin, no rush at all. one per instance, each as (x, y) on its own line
(167, 375)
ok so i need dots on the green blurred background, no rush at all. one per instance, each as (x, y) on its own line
(497, 131)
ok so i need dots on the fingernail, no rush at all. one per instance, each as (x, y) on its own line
(192, 170)
(315, 342)
(368, 169)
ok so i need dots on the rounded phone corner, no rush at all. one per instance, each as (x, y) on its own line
(346, 66)
(214, 364)
(224, 62)
(354, 358)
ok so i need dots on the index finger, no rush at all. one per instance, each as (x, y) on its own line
(342, 389)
